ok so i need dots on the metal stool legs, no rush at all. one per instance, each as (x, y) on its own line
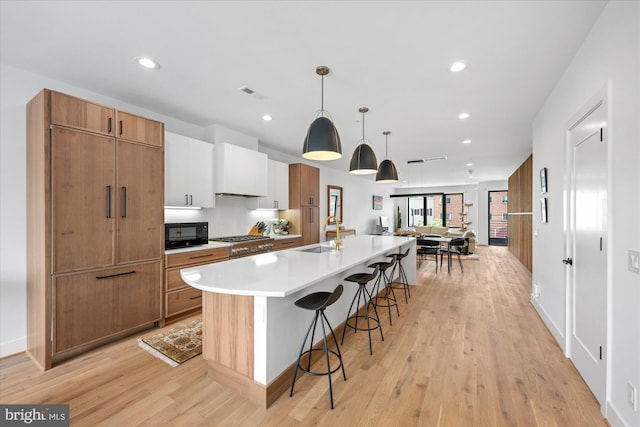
(404, 282)
(362, 294)
(389, 299)
(319, 301)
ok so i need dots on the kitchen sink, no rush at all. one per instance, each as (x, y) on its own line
(319, 249)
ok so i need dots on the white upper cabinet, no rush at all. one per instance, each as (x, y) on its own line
(277, 188)
(188, 172)
(240, 171)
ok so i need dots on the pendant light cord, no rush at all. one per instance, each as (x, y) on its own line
(322, 94)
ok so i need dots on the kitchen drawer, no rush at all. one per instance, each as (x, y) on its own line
(183, 300)
(281, 244)
(174, 281)
(205, 256)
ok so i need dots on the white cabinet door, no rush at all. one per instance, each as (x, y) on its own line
(277, 188)
(281, 184)
(176, 170)
(201, 174)
(188, 177)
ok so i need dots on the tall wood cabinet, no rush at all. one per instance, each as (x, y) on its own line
(304, 202)
(94, 225)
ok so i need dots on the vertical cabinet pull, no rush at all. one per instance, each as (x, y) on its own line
(124, 202)
(108, 201)
(120, 127)
(186, 199)
(190, 199)
(109, 125)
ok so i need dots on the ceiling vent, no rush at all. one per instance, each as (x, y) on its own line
(253, 93)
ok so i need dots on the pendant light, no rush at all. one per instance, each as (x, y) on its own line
(322, 141)
(387, 171)
(363, 160)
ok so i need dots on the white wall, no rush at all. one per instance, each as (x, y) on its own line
(611, 53)
(229, 217)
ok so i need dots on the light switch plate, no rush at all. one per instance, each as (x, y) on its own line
(634, 261)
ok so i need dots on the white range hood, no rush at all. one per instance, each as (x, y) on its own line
(239, 171)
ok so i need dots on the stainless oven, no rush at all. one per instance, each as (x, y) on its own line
(184, 234)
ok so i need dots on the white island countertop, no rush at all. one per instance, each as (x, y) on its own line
(282, 273)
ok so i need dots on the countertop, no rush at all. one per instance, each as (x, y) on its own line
(282, 273)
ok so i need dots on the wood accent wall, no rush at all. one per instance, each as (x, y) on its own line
(520, 212)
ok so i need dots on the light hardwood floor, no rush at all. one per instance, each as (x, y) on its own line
(468, 350)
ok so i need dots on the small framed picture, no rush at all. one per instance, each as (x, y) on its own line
(543, 180)
(377, 203)
(543, 209)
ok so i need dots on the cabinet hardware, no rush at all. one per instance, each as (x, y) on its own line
(568, 261)
(115, 275)
(186, 199)
(124, 202)
(121, 127)
(199, 296)
(109, 125)
(108, 201)
(190, 199)
(201, 256)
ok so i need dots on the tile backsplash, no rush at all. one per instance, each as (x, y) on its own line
(229, 217)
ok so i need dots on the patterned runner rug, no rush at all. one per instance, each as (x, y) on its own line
(176, 345)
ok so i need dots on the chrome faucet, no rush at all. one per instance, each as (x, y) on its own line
(337, 239)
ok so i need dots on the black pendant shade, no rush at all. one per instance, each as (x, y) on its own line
(387, 171)
(363, 160)
(322, 141)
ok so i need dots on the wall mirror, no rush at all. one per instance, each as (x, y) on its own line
(334, 198)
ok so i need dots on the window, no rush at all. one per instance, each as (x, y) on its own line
(448, 216)
(448, 200)
(490, 199)
(505, 199)
(505, 216)
(490, 216)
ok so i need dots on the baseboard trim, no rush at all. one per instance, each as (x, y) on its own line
(9, 348)
(558, 335)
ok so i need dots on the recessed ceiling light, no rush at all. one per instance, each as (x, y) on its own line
(267, 118)
(457, 66)
(148, 63)
(466, 141)
(469, 164)
(463, 116)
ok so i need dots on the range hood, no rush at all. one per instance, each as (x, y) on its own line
(239, 171)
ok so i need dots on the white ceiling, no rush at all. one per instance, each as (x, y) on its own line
(390, 56)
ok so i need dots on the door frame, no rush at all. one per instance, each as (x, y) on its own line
(601, 98)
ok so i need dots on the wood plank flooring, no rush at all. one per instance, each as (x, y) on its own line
(468, 350)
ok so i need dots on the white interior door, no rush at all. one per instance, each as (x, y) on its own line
(588, 296)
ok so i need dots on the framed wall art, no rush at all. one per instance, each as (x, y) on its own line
(543, 180)
(377, 203)
(543, 209)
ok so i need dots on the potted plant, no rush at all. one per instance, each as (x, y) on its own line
(399, 220)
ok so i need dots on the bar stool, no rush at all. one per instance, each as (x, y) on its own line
(403, 284)
(389, 298)
(318, 301)
(362, 279)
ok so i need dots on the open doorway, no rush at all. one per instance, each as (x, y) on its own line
(498, 229)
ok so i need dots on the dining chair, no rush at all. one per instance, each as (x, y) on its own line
(456, 247)
(426, 247)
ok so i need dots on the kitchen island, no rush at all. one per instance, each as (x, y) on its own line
(252, 330)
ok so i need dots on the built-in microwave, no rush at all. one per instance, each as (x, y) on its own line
(184, 234)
